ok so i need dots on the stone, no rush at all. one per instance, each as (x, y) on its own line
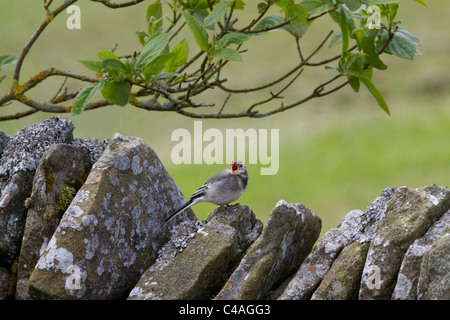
(61, 172)
(5, 279)
(25, 149)
(286, 240)
(180, 235)
(342, 281)
(409, 214)
(94, 146)
(4, 139)
(434, 279)
(112, 230)
(13, 215)
(365, 231)
(68, 232)
(319, 261)
(201, 269)
(17, 166)
(409, 273)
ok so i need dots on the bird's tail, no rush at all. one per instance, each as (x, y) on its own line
(184, 207)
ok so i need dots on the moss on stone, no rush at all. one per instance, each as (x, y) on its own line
(49, 177)
(66, 196)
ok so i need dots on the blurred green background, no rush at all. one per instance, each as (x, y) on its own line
(337, 153)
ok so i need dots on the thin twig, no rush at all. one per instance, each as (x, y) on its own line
(320, 45)
(18, 115)
(391, 35)
(299, 50)
(113, 5)
(276, 95)
(59, 90)
(265, 86)
(255, 21)
(224, 103)
(227, 22)
(49, 18)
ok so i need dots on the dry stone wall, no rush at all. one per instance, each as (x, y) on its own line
(85, 219)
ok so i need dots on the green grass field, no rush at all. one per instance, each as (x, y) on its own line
(336, 153)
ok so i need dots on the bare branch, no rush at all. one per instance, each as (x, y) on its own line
(255, 21)
(113, 5)
(41, 76)
(265, 86)
(18, 115)
(49, 18)
(276, 95)
(224, 103)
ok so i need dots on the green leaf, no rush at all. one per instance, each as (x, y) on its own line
(117, 92)
(200, 34)
(128, 65)
(356, 64)
(5, 60)
(421, 2)
(154, 17)
(233, 37)
(179, 56)
(228, 54)
(337, 38)
(105, 54)
(367, 45)
(262, 6)
(92, 65)
(401, 47)
(369, 2)
(353, 4)
(200, 16)
(403, 33)
(374, 91)
(154, 10)
(345, 32)
(194, 4)
(317, 7)
(392, 12)
(331, 66)
(142, 36)
(337, 15)
(83, 98)
(114, 64)
(240, 5)
(354, 82)
(297, 17)
(153, 48)
(268, 22)
(217, 13)
(156, 66)
(403, 44)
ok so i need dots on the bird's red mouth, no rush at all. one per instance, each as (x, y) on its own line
(234, 167)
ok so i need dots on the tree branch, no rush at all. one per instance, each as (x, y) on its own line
(113, 5)
(49, 18)
(177, 93)
(18, 115)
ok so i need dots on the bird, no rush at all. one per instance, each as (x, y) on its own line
(221, 189)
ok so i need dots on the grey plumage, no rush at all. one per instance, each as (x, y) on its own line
(221, 189)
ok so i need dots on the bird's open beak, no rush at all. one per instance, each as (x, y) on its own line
(234, 167)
